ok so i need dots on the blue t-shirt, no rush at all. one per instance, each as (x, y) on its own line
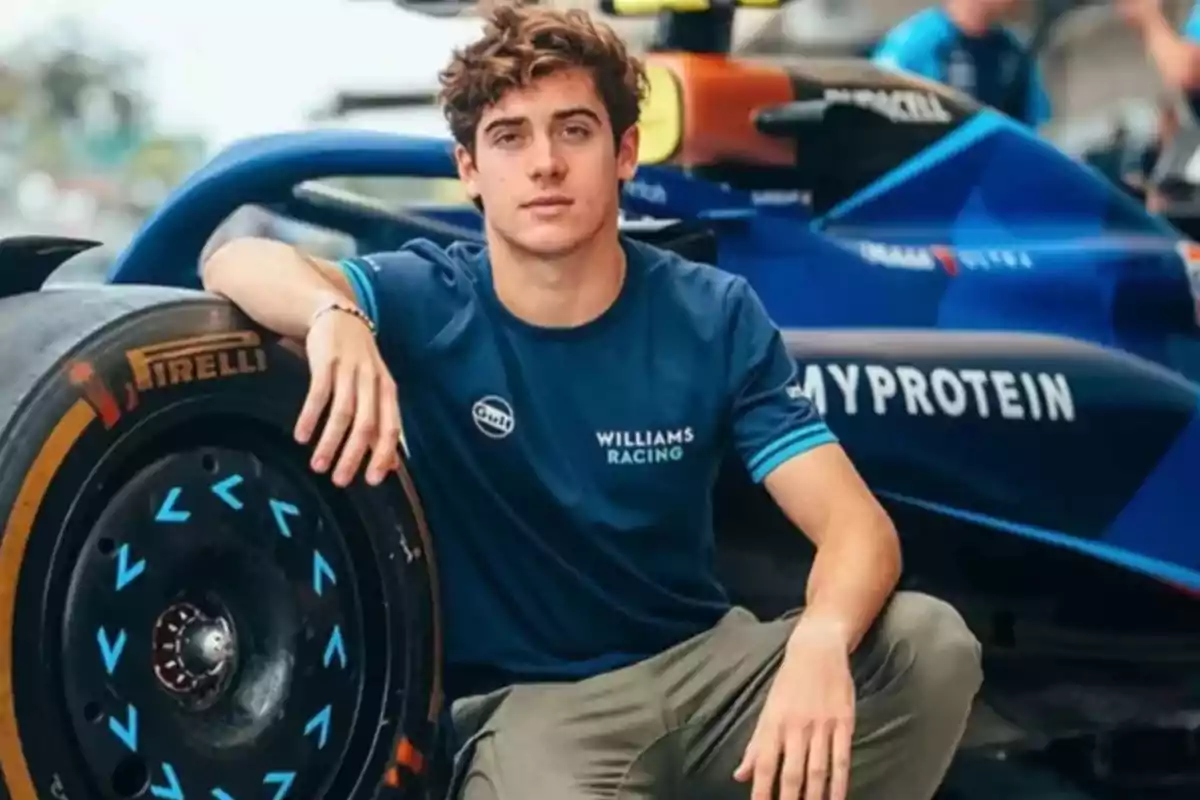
(995, 68)
(1191, 32)
(566, 473)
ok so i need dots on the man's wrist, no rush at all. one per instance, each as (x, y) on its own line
(827, 626)
(333, 303)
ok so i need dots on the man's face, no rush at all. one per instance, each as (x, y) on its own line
(544, 164)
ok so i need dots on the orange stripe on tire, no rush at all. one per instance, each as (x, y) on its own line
(408, 756)
(17, 530)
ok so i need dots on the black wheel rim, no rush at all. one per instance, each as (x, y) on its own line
(214, 641)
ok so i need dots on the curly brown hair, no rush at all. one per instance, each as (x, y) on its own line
(523, 43)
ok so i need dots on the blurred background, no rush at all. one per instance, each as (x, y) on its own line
(106, 106)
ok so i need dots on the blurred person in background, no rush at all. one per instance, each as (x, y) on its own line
(964, 44)
(1139, 170)
(1174, 53)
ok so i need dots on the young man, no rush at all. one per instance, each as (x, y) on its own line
(567, 397)
(1176, 55)
(963, 44)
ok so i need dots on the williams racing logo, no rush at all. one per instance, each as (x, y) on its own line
(645, 447)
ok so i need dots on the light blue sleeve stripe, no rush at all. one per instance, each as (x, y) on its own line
(784, 441)
(759, 474)
(364, 292)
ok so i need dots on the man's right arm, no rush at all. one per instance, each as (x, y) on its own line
(274, 284)
(285, 291)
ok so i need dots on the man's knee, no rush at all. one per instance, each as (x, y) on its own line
(918, 676)
(945, 667)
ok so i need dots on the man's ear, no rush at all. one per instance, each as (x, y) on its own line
(627, 154)
(464, 161)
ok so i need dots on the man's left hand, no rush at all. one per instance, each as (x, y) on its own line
(804, 733)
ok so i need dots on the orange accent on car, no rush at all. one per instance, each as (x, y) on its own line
(715, 100)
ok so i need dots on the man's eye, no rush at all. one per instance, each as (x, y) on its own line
(577, 131)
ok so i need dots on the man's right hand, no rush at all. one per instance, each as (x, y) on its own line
(279, 288)
(350, 378)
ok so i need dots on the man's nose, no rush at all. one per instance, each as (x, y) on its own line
(545, 159)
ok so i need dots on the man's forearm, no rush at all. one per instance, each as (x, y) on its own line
(858, 551)
(272, 282)
(855, 572)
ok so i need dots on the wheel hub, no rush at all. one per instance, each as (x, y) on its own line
(194, 654)
(212, 635)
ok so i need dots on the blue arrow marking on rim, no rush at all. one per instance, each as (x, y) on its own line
(336, 646)
(320, 723)
(126, 731)
(126, 573)
(224, 490)
(172, 791)
(281, 511)
(167, 512)
(283, 779)
(221, 794)
(321, 570)
(110, 651)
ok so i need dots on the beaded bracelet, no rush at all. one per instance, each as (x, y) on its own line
(345, 307)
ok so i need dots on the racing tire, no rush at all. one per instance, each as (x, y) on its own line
(186, 609)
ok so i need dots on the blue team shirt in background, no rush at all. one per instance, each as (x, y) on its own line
(994, 68)
(566, 473)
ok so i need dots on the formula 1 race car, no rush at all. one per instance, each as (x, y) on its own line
(1007, 345)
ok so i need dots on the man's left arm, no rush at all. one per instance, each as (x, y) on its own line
(803, 735)
(788, 448)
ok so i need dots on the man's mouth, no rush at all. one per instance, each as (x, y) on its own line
(549, 201)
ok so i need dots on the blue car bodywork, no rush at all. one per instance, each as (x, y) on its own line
(991, 236)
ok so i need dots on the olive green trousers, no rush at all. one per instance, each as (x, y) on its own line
(676, 725)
